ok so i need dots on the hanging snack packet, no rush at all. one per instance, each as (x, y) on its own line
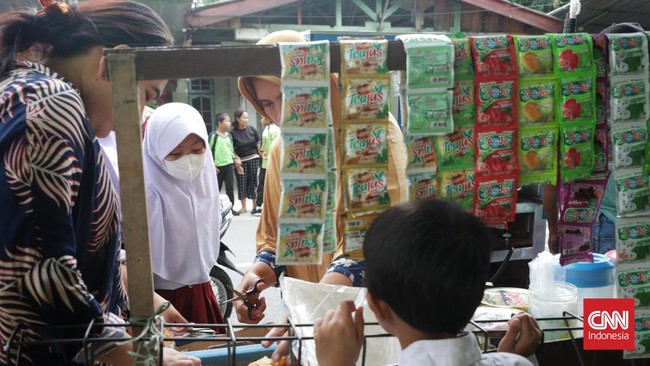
(355, 230)
(575, 243)
(456, 150)
(430, 113)
(421, 152)
(366, 99)
(576, 151)
(364, 56)
(601, 58)
(304, 153)
(628, 53)
(493, 57)
(463, 66)
(496, 152)
(629, 100)
(580, 200)
(601, 101)
(422, 185)
(463, 106)
(572, 52)
(303, 198)
(367, 190)
(331, 190)
(536, 101)
(305, 106)
(537, 155)
(329, 233)
(629, 141)
(299, 243)
(429, 61)
(533, 55)
(633, 192)
(495, 103)
(577, 98)
(641, 335)
(601, 150)
(365, 143)
(632, 240)
(496, 199)
(634, 283)
(307, 61)
(458, 186)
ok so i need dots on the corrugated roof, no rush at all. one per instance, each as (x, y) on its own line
(596, 15)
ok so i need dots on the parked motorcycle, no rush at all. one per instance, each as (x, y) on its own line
(220, 280)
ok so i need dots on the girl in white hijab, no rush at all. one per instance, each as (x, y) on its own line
(184, 210)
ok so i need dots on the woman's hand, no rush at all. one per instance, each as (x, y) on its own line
(522, 337)
(338, 337)
(256, 303)
(172, 357)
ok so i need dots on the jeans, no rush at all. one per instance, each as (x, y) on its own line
(603, 234)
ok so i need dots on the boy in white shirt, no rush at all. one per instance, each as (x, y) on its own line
(426, 266)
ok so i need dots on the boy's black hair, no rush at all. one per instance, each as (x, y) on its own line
(428, 260)
(220, 117)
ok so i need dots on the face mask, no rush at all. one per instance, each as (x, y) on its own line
(185, 168)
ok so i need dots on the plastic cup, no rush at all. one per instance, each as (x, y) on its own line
(552, 304)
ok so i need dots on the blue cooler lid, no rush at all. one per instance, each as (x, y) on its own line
(597, 274)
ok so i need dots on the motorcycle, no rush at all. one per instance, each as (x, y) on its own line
(219, 279)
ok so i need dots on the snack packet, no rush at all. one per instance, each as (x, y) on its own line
(364, 56)
(458, 186)
(493, 57)
(456, 150)
(633, 192)
(537, 155)
(303, 198)
(634, 283)
(629, 143)
(421, 152)
(602, 102)
(601, 150)
(580, 200)
(463, 65)
(496, 152)
(355, 230)
(629, 100)
(628, 53)
(308, 61)
(632, 240)
(533, 55)
(304, 153)
(495, 103)
(367, 190)
(365, 143)
(601, 57)
(305, 106)
(299, 243)
(577, 98)
(536, 101)
(422, 185)
(575, 243)
(429, 61)
(329, 233)
(366, 99)
(463, 105)
(572, 52)
(496, 199)
(430, 113)
(576, 151)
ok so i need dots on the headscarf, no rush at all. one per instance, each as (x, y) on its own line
(184, 217)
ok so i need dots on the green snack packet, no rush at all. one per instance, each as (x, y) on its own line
(536, 101)
(430, 113)
(463, 104)
(576, 151)
(632, 240)
(577, 98)
(422, 185)
(458, 186)
(629, 100)
(299, 243)
(456, 150)
(628, 53)
(629, 143)
(463, 66)
(572, 52)
(634, 283)
(303, 199)
(537, 155)
(429, 63)
(329, 233)
(633, 192)
(534, 55)
(641, 335)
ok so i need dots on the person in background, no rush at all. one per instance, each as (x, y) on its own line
(270, 132)
(264, 93)
(247, 149)
(184, 211)
(223, 153)
(418, 253)
(59, 212)
(603, 236)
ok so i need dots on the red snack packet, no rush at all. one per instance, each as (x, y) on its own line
(496, 152)
(496, 103)
(496, 199)
(494, 57)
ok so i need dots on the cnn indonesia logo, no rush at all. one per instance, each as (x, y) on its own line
(609, 324)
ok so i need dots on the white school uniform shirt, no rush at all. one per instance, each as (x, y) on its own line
(460, 351)
(184, 217)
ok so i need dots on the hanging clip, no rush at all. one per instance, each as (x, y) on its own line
(53, 6)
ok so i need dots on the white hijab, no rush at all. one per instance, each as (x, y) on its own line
(184, 217)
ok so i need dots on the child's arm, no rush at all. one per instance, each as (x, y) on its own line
(522, 337)
(339, 338)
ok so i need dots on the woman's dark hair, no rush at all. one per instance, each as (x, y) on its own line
(238, 113)
(428, 260)
(66, 34)
(221, 117)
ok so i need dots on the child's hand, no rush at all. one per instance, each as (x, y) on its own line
(339, 338)
(522, 337)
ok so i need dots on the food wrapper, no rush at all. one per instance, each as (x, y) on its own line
(299, 243)
(572, 52)
(602, 102)
(533, 55)
(355, 230)
(329, 233)
(456, 150)
(496, 152)
(601, 150)
(303, 198)
(632, 240)
(304, 153)
(580, 200)
(629, 100)
(463, 64)
(577, 98)
(628, 53)
(633, 192)
(363, 56)
(634, 283)
(493, 57)
(430, 113)
(575, 243)
(629, 144)
(429, 61)
(576, 151)
(537, 155)
(601, 55)
(641, 335)
(496, 199)
(367, 190)
(305, 106)
(422, 185)
(332, 188)
(463, 105)
(365, 144)
(421, 152)
(308, 61)
(458, 186)
(495, 103)
(366, 99)
(536, 102)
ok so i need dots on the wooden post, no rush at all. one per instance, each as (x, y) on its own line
(126, 114)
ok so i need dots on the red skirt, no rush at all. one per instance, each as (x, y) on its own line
(196, 303)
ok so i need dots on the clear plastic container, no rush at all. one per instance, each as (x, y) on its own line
(551, 304)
